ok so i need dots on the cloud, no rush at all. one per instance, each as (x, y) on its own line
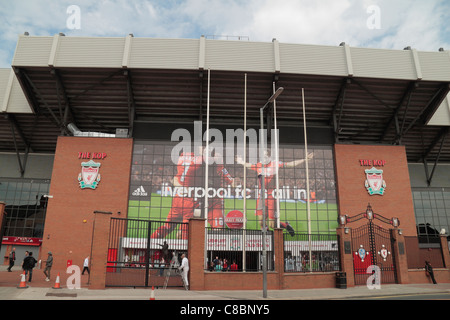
(417, 23)
(420, 24)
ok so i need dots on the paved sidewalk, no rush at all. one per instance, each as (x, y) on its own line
(42, 293)
(39, 289)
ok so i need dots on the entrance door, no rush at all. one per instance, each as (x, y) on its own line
(372, 245)
(372, 248)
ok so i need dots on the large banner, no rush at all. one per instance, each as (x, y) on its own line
(168, 184)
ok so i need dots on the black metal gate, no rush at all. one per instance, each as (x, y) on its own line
(145, 253)
(372, 249)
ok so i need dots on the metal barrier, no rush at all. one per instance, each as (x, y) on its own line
(323, 249)
(234, 250)
(140, 252)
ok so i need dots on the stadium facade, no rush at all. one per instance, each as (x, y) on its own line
(100, 130)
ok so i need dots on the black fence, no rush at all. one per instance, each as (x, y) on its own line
(144, 253)
(323, 248)
(234, 250)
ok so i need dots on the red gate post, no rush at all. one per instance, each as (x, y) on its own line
(345, 254)
(99, 255)
(400, 257)
(196, 253)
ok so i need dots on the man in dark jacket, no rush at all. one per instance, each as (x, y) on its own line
(429, 269)
(28, 265)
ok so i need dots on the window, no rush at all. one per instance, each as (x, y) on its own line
(432, 211)
(154, 194)
(25, 207)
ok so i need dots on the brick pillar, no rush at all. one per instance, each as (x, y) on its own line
(445, 252)
(196, 254)
(345, 254)
(99, 254)
(2, 218)
(278, 252)
(400, 258)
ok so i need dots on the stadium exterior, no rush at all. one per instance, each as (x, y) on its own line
(91, 130)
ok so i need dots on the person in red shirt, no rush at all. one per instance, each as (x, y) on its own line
(190, 173)
(189, 168)
(221, 178)
(269, 171)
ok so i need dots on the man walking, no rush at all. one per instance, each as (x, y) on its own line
(48, 266)
(28, 265)
(429, 270)
(184, 268)
(12, 258)
(86, 265)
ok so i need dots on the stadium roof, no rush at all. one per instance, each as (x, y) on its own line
(365, 96)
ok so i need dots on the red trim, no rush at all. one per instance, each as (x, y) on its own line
(22, 241)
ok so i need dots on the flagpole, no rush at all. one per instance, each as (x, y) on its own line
(244, 192)
(206, 171)
(207, 150)
(308, 209)
(276, 160)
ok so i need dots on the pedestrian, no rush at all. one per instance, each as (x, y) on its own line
(12, 258)
(26, 255)
(225, 265)
(174, 261)
(216, 262)
(165, 250)
(86, 265)
(48, 266)
(184, 268)
(234, 266)
(429, 270)
(28, 265)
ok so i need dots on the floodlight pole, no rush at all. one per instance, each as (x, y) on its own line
(263, 190)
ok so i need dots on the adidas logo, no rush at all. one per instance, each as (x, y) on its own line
(140, 192)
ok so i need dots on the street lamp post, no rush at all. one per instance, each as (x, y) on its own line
(263, 190)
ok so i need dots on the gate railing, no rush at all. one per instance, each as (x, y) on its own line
(237, 250)
(372, 245)
(140, 252)
(324, 249)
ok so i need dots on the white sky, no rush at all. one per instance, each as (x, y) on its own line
(389, 24)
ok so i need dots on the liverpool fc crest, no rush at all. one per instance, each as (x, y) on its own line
(89, 176)
(362, 253)
(374, 181)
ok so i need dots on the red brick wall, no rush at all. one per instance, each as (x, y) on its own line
(353, 196)
(196, 253)
(2, 213)
(276, 280)
(70, 213)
